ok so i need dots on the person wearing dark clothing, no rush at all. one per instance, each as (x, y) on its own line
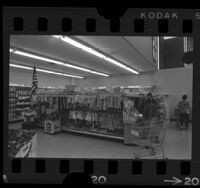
(149, 110)
(184, 109)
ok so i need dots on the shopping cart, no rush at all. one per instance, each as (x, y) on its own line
(150, 138)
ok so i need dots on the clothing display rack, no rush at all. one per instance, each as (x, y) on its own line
(97, 113)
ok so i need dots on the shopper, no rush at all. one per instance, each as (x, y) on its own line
(149, 110)
(184, 109)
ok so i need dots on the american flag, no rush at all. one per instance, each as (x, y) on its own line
(34, 82)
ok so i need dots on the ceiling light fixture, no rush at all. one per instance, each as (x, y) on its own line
(94, 52)
(45, 71)
(37, 57)
(21, 66)
(56, 62)
(166, 38)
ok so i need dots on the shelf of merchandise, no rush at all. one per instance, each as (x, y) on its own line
(27, 104)
(23, 95)
(14, 120)
(12, 103)
(20, 110)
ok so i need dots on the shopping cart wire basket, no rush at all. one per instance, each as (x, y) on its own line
(149, 136)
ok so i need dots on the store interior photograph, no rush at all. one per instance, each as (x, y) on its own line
(122, 97)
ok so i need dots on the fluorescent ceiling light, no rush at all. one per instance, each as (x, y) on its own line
(94, 52)
(165, 38)
(56, 62)
(20, 66)
(45, 71)
(37, 57)
(121, 65)
(16, 84)
(41, 87)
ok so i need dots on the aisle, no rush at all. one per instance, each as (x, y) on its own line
(178, 143)
(77, 146)
(177, 146)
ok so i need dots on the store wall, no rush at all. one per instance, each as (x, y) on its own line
(123, 80)
(175, 82)
(19, 76)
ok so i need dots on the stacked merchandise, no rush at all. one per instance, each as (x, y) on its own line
(12, 103)
(23, 99)
(21, 143)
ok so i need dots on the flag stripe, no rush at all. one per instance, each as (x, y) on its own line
(34, 82)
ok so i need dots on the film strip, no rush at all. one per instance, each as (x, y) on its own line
(134, 22)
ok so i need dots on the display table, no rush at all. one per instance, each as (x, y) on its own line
(22, 143)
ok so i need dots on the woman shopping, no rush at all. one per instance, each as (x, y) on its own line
(184, 110)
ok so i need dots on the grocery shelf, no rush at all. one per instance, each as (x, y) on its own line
(23, 104)
(19, 110)
(13, 120)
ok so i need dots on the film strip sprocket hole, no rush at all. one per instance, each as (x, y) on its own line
(110, 171)
(139, 25)
(89, 167)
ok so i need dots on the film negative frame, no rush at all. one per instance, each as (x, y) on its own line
(135, 22)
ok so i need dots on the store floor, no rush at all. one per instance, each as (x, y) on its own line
(177, 145)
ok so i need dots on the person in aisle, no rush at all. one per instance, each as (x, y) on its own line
(149, 109)
(184, 110)
(149, 112)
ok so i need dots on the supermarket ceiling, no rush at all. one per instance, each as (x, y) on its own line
(134, 52)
